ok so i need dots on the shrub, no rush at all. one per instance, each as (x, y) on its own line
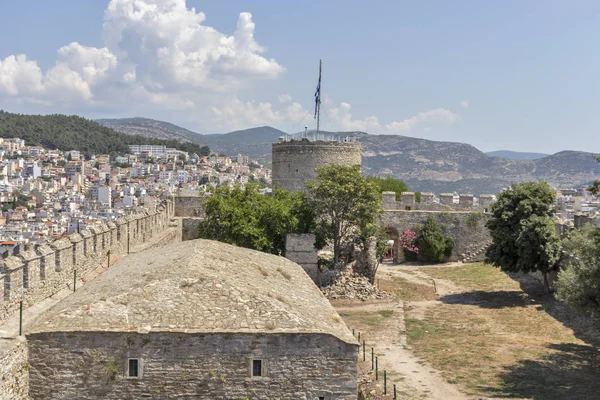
(432, 244)
(407, 243)
(579, 280)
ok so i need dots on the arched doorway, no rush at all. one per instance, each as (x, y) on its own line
(393, 236)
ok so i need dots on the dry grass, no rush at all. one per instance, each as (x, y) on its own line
(366, 319)
(405, 290)
(495, 340)
(477, 276)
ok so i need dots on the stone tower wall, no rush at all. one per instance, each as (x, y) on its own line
(295, 162)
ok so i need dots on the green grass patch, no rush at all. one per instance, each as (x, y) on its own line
(478, 276)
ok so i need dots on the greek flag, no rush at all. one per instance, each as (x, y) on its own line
(317, 96)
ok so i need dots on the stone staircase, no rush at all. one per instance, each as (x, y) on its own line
(475, 253)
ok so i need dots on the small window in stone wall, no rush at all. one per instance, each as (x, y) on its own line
(134, 368)
(257, 369)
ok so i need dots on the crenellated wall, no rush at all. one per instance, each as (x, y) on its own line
(408, 202)
(37, 273)
(466, 228)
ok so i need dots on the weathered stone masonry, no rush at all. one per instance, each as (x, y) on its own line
(215, 366)
(14, 371)
(295, 162)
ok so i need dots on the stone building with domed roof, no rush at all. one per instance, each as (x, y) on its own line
(196, 319)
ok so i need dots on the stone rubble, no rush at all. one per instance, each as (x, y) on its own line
(349, 285)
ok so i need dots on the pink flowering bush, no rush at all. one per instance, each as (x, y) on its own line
(407, 242)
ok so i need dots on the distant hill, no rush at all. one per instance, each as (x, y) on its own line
(516, 155)
(425, 165)
(256, 142)
(428, 165)
(75, 133)
(151, 128)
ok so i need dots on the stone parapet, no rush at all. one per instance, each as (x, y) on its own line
(35, 274)
(428, 202)
(87, 243)
(12, 269)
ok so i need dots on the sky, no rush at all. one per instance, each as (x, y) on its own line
(516, 75)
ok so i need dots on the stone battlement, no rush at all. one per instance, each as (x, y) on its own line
(35, 273)
(466, 202)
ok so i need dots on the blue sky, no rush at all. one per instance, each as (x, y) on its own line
(519, 75)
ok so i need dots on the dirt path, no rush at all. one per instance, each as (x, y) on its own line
(412, 274)
(414, 379)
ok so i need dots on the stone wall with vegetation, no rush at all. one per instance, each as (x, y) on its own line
(466, 228)
(93, 365)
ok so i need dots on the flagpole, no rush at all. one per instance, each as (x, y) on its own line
(319, 99)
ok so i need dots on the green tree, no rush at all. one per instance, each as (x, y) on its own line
(432, 244)
(345, 204)
(244, 217)
(389, 184)
(75, 133)
(595, 186)
(523, 234)
(578, 281)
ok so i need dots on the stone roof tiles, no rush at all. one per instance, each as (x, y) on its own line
(198, 286)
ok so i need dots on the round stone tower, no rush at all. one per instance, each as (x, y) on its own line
(294, 162)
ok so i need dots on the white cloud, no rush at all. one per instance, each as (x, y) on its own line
(343, 119)
(159, 47)
(159, 57)
(23, 79)
(285, 98)
(236, 114)
(439, 115)
(464, 104)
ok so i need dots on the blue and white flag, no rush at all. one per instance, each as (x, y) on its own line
(318, 95)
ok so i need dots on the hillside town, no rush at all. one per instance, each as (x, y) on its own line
(216, 201)
(46, 194)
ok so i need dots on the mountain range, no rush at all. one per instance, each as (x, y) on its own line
(516, 155)
(425, 165)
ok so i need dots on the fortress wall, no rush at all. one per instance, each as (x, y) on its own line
(466, 202)
(36, 274)
(188, 206)
(295, 162)
(466, 228)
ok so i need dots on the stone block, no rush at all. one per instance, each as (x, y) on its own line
(447, 198)
(300, 242)
(12, 268)
(465, 201)
(427, 198)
